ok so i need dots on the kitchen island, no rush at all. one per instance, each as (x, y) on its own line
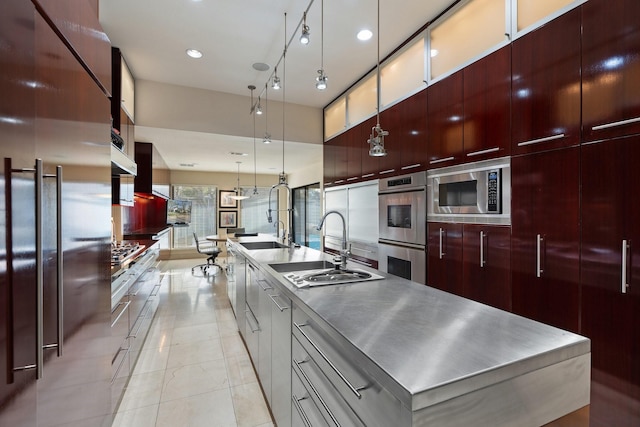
(395, 352)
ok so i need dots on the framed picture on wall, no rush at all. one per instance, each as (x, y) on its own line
(227, 219)
(225, 200)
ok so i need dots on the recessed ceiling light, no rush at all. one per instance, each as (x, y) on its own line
(260, 66)
(434, 52)
(364, 35)
(194, 53)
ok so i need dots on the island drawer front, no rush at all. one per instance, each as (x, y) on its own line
(333, 407)
(373, 404)
(304, 411)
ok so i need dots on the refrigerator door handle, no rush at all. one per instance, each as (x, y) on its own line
(39, 176)
(59, 263)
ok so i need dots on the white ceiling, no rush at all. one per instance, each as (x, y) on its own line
(234, 34)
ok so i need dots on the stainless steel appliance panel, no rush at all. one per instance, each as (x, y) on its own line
(409, 262)
(477, 192)
(402, 203)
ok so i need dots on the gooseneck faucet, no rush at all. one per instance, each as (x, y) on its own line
(344, 253)
(284, 231)
(282, 183)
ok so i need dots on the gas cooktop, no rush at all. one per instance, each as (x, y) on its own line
(125, 250)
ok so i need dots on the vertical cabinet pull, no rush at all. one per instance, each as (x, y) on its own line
(539, 249)
(39, 271)
(626, 249)
(441, 234)
(482, 260)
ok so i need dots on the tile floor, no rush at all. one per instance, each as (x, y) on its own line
(193, 369)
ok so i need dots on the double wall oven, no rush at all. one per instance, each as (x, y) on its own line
(402, 226)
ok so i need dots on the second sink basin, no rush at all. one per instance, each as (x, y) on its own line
(301, 266)
(263, 245)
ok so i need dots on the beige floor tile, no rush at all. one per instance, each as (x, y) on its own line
(194, 333)
(240, 370)
(214, 409)
(232, 345)
(191, 380)
(140, 417)
(227, 327)
(249, 405)
(198, 352)
(152, 359)
(143, 390)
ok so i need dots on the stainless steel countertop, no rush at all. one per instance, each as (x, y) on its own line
(425, 345)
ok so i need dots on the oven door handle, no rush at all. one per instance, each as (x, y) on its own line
(401, 244)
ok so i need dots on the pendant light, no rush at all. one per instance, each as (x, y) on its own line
(255, 160)
(321, 80)
(304, 36)
(239, 195)
(376, 139)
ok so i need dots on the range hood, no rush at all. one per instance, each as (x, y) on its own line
(121, 164)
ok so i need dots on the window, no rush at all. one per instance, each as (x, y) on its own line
(404, 74)
(335, 118)
(532, 11)
(307, 202)
(203, 213)
(467, 33)
(362, 101)
(253, 215)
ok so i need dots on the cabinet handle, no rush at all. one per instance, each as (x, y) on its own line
(353, 389)
(296, 403)
(141, 318)
(247, 313)
(444, 159)
(487, 151)
(264, 288)
(539, 140)
(126, 306)
(626, 249)
(616, 124)
(539, 249)
(315, 391)
(158, 286)
(482, 260)
(115, 375)
(273, 298)
(416, 165)
(441, 234)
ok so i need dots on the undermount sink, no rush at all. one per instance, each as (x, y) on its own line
(263, 245)
(321, 273)
(301, 266)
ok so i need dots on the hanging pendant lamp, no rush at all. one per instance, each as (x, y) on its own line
(376, 139)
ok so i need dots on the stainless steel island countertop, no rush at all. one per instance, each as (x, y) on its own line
(428, 347)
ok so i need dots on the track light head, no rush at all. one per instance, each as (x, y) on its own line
(321, 80)
(304, 37)
(276, 83)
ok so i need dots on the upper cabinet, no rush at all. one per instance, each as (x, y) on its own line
(123, 99)
(611, 69)
(487, 106)
(444, 121)
(88, 40)
(545, 97)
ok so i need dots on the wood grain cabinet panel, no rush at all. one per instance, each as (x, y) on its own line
(487, 107)
(444, 256)
(445, 114)
(486, 262)
(391, 121)
(413, 133)
(329, 162)
(370, 165)
(545, 97)
(610, 317)
(610, 69)
(546, 236)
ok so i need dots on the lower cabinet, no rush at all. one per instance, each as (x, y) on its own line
(131, 318)
(444, 256)
(268, 339)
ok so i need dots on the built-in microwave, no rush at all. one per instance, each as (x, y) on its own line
(477, 192)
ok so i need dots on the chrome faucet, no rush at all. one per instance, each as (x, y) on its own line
(344, 253)
(284, 184)
(284, 231)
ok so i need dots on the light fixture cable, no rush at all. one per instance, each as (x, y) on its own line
(267, 135)
(376, 139)
(321, 80)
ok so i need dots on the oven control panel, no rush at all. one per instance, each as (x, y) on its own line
(493, 191)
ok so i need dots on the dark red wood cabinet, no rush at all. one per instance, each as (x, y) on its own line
(391, 121)
(610, 317)
(445, 114)
(545, 239)
(412, 135)
(487, 107)
(486, 264)
(545, 97)
(370, 164)
(444, 256)
(353, 143)
(610, 69)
